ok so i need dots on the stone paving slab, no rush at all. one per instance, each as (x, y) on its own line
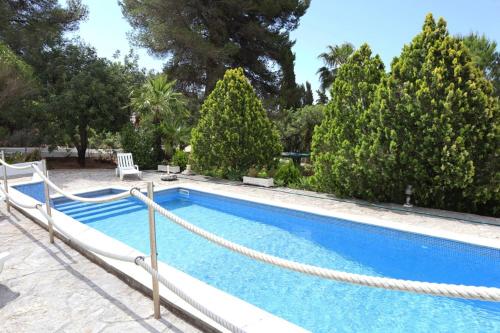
(52, 288)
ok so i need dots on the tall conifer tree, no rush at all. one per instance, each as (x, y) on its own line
(435, 125)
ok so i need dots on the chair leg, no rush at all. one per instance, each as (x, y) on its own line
(121, 177)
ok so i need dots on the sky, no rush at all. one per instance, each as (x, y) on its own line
(386, 25)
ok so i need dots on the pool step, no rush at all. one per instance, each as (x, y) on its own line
(90, 212)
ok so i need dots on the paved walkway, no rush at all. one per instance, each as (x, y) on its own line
(52, 288)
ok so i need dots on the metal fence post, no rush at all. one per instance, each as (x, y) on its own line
(154, 259)
(47, 200)
(6, 186)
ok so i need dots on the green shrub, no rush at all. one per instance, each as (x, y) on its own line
(305, 183)
(263, 174)
(139, 142)
(35, 155)
(253, 172)
(19, 157)
(180, 158)
(234, 132)
(288, 174)
(337, 167)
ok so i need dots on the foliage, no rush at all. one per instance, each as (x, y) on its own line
(180, 158)
(139, 142)
(19, 157)
(104, 140)
(308, 98)
(160, 108)
(253, 172)
(337, 140)
(297, 127)
(176, 134)
(31, 27)
(234, 132)
(306, 183)
(84, 92)
(336, 56)
(17, 82)
(288, 173)
(15, 76)
(486, 57)
(203, 39)
(433, 123)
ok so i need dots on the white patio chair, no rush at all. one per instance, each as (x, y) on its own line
(3, 258)
(126, 166)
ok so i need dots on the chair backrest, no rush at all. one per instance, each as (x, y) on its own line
(125, 160)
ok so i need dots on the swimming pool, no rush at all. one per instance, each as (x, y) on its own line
(313, 303)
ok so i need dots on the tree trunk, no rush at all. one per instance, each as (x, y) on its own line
(81, 156)
(157, 150)
(82, 147)
(215, 72)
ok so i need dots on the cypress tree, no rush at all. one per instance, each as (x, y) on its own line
(337, 140)
(234, 132)
(435, 125)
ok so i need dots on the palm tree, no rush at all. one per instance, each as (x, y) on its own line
(158, 105)
(333, 59)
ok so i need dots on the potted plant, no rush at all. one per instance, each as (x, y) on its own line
(258, 178)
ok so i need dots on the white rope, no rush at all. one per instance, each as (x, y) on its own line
(56, 188)
(187, 298)
(17, 167)
(436, 289)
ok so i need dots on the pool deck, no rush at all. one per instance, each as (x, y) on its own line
(54, 288)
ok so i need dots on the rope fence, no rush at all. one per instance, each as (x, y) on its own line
(436, 289)
(75, 197)
(139, 261)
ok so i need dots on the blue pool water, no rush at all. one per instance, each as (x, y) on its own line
(32, 189)
(313, 303)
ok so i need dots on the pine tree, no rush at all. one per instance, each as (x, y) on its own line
(234, 132)
(203, 38)
(338, 138)
(435, 125)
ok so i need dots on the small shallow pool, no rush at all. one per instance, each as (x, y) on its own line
(316, 304)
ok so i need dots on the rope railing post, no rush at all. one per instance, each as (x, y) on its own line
(5, 184)
(47, 200)
(154, 255)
